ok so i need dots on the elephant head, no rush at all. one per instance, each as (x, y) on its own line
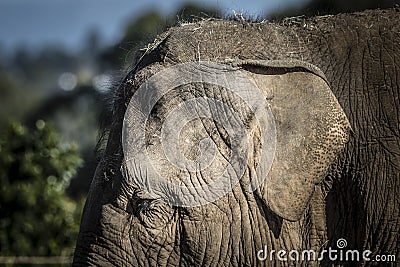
(226, 140)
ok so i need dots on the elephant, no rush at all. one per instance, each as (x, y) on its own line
(238, 143)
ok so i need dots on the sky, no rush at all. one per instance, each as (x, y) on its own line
(33, 23)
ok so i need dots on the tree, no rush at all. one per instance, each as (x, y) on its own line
(36, 216)
(12, 96)
(142, 30)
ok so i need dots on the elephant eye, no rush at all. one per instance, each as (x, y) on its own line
(143, 204)
(153, 213)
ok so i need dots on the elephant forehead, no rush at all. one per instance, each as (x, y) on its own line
(197, 131)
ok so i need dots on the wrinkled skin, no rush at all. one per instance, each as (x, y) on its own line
(350, 190)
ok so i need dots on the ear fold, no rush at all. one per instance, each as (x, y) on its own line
(311, 130)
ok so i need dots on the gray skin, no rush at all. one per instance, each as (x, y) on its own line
(332, 84)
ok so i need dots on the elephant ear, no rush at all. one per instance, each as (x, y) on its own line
(311, 131)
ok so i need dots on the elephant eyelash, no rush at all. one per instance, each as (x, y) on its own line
(143, 204)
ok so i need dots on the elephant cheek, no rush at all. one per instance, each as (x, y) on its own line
(125, 241)
(205, 242)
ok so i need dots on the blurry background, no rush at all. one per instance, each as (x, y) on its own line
(60, 61)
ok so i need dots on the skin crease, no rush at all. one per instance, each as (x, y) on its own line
(358, 198)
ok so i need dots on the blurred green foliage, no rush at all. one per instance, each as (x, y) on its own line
(11, 96)
(144, 29)
(36, 216)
